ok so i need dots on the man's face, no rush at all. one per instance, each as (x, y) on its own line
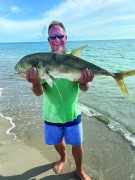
(56, 39)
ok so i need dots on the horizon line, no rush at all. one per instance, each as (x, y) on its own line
(67, 41)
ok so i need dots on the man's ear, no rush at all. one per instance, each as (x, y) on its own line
(48, 40)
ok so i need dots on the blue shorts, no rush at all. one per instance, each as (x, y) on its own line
(54, 134)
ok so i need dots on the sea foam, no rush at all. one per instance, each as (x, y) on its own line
(113, 125)
(8, 132)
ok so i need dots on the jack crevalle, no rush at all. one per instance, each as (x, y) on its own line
(68, 66)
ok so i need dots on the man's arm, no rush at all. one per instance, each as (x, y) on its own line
(86, 77)
(32, 77)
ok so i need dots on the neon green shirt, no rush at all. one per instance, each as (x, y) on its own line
(61, 101)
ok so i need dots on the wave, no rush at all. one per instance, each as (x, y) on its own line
(113, 125)
(8, 132)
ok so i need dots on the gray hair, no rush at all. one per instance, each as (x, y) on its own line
(53, 23)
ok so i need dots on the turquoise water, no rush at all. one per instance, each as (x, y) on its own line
(104, 100)
(105, 96)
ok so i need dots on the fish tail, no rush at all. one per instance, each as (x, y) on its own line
(119, 78)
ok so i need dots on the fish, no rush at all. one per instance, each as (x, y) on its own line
(51, 65)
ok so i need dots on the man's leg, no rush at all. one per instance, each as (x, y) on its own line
(77, 152)
(61, 149)
(54, 136)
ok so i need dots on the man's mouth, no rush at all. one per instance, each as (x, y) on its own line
(57, 44)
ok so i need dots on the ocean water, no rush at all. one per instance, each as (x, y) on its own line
(103, 101)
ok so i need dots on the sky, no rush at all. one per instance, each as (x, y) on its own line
(28, 20)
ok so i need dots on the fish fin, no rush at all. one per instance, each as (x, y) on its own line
(47, 79)
(35, 69)
(128, 73)
(40, 69)
(49, 82)
(52, 78)
(58, 91)
(43, 74)
(76, 52)
(119, 78)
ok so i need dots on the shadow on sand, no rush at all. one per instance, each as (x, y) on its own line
(32, 173)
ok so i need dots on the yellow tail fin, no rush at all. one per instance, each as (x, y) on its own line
(119, 78)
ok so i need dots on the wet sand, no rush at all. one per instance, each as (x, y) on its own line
(20, 162)
(107, 156)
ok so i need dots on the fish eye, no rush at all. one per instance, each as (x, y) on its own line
(21, 65)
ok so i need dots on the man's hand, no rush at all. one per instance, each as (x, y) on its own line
(86, 77)
(32, 77)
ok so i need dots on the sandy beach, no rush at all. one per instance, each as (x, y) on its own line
(21, 162)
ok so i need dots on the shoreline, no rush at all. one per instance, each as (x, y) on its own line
(10, 128)
(19, 161)
(106, 155)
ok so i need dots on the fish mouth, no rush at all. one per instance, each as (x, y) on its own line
(19, 74)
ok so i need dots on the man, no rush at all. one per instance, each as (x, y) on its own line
(62, 119)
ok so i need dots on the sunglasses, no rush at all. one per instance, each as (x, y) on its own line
(59, 36)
